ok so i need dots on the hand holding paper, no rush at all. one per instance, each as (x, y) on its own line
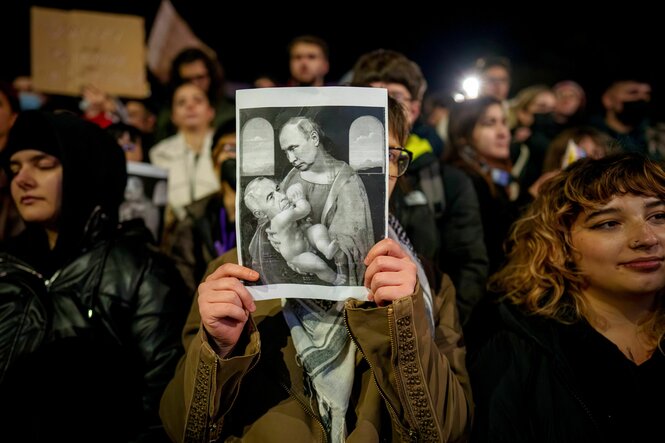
(225, 304)
(390, 272)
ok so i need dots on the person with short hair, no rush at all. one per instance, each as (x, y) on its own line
(308, 61)
(387, 369)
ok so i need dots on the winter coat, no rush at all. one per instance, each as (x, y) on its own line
(87, 353)
(408, 386)
(538, 380)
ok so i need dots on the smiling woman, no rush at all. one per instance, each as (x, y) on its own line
(582, 327)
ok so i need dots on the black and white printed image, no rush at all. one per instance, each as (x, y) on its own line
(312, 191)
(145, 196)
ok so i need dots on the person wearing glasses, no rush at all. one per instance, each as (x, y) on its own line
(435, 202)
(193, 65)
(394, 371)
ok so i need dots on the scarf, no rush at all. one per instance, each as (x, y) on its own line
(328, 357)
(325, 348)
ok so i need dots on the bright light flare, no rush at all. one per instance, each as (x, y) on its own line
(471, 87)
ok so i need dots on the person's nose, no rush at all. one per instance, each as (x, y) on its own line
(643, 236)
(290, 156)
(24, 179)
(503, 132)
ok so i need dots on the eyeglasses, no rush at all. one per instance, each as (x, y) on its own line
(229, 147)
(401, 158)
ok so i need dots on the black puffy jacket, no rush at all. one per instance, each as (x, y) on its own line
(87, 353)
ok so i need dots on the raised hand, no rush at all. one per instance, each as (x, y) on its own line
(390, 272)
(225, 304)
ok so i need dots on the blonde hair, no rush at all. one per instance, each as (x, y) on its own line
(541, 276)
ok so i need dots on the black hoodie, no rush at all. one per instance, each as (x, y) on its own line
(94, 178)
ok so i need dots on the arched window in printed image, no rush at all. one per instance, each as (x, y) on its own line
(257, 156)
(367, 152)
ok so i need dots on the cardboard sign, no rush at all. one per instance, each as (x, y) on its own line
(71, 49)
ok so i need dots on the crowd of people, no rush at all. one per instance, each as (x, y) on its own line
(517, 296)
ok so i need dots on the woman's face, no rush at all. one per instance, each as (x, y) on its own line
(37, 186)
(191, 109)
(491, 137)
(620, 247)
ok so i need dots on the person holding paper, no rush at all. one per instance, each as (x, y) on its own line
(387, 369)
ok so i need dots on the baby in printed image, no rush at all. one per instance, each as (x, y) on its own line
(293, 234)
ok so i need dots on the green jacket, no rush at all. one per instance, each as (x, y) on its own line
(407, 385)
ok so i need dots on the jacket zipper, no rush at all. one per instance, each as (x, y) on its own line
(49, 281)
(308, 411)
(393, 413)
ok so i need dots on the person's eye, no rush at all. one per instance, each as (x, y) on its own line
(606, 225)
(658, 218)
(46, 164)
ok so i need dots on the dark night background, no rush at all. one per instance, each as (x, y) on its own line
(546, 41)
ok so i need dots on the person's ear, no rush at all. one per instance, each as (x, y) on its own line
(416, 108)
(608, 100)
(259, 214)
(315, 138)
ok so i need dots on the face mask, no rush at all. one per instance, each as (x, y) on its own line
(228, 172)
(544, 123)
(29, 101)
(634, 112)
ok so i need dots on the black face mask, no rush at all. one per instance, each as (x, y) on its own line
(228, 172)
(634, 112)
(545, 124)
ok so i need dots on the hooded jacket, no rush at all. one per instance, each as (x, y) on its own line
(112, 306)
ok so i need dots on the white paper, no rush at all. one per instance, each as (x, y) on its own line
(323, 194)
